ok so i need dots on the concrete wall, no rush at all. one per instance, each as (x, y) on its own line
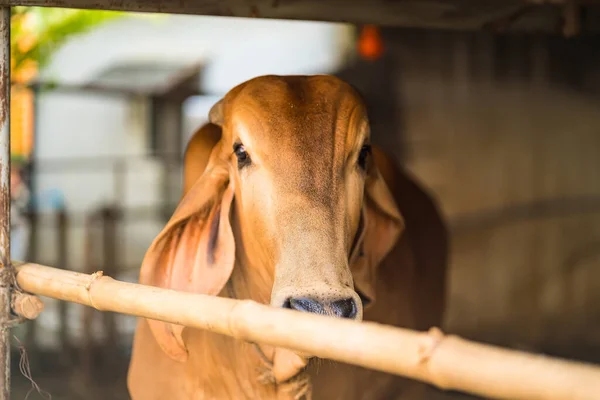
(505, 132)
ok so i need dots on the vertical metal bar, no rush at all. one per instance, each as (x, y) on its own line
(5, 278)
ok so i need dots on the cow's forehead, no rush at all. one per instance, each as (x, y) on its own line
(301, 130)
(297, 113)
(272, 87)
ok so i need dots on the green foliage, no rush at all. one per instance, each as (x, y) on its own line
(37, 32)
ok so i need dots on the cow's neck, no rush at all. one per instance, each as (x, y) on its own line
(231, 368)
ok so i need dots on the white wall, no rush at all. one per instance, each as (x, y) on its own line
(234, 49)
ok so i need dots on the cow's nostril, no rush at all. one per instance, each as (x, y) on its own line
(344, 308)
(306, 305)
(341, 308)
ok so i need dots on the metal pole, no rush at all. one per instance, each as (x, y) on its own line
(5, 277)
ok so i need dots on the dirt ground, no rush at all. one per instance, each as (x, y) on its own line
(64, 377)
(74, 389)
(64, 380)
(62, 387)
(67, 380)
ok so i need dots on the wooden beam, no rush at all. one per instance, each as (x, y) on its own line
(538, 15)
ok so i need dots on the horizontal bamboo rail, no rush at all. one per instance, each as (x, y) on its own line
(445, 361)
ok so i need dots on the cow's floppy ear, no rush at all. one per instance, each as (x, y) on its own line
(195, 252)
(381, 224)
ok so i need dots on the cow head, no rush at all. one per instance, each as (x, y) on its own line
(295, 160)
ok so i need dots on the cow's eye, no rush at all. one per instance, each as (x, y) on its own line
(243, 157)
(363, 155)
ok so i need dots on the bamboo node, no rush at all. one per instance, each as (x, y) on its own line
(429, 342)
(88, 286)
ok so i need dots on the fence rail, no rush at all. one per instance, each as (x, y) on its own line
(447, 362)
(103, 242)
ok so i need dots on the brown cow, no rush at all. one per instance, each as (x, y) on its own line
(287, 204)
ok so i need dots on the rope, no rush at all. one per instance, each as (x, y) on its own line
(8, 278)
(88, 286)
(8, 275)
(25, 370)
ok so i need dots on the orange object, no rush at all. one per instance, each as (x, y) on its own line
(21, 121)
(370, 44)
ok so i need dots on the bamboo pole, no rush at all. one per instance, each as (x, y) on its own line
(447, 362)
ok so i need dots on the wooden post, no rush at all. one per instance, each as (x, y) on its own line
(30, 335)
(5, 273)
(63, 261)
(109, 258)
(167, 130)
(119, 182)
(87, 341)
